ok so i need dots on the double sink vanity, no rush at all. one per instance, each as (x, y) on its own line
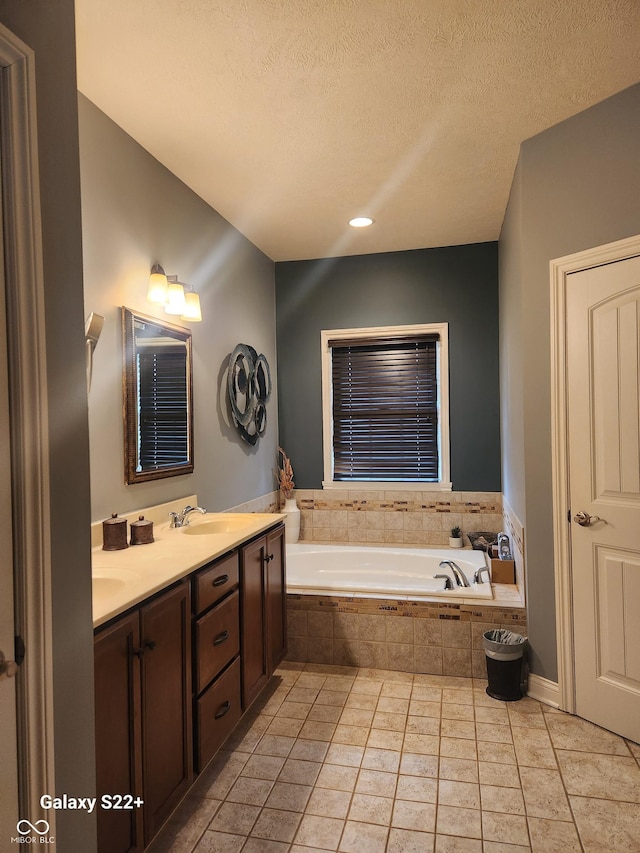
(188, 631)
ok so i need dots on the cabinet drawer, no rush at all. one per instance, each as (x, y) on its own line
(215, 581)
(217, 712)
(217, 639)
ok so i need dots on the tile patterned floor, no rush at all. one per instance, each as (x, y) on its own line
(361, 761)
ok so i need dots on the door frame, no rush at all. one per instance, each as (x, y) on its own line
(24, 289)
(560, 269)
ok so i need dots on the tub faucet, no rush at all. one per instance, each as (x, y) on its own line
(461, 578)
(447, 581)
(181, 519)
(477, 575)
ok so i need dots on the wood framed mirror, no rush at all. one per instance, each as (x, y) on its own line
(157, 393)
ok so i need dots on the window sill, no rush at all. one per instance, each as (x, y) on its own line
(368, 486)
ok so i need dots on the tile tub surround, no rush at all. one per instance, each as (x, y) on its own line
(367, 761)
(435, 638)
(410, 518)
(395, 517)
(513, 527)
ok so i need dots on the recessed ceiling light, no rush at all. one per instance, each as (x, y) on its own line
(361, 221)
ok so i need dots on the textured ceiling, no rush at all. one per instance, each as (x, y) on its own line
(291, 116)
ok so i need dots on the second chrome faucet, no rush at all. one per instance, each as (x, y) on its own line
(181, 519)
(459, 575)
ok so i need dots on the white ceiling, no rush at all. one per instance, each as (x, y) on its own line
(291, 116)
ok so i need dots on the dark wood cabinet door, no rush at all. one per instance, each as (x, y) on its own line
(167, 740)
(118, 757)
(255, 665)
(276, 598)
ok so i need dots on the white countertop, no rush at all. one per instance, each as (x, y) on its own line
(124, 578)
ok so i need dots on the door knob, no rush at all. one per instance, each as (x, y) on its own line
(7, 667)
(584, 519)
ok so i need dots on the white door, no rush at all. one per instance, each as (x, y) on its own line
(603, 385)
(8, 739)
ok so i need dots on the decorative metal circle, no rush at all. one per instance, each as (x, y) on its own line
(249, 388)
(261, 419)
(240, 385)
(262, 379)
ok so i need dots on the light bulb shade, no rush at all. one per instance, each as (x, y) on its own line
(192, 307)
(175, 302)
(157, 291)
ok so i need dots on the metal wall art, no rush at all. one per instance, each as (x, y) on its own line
(249, 384)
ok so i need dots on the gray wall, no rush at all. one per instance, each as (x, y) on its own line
(577, 186)
(135, 213)
(511, 351)
(456, 284)
(48, 28)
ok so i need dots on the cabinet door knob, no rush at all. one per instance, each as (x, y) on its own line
(147, 646)
(220, 581)
(224, 709)
(268, 558)
(221, 638)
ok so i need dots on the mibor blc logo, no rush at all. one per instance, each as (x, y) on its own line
(32, 833)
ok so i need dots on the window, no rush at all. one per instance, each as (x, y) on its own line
(385, 402)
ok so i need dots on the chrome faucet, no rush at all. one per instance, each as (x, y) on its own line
(448, 584)
(477, 575)
(181, 519)
(461, 578)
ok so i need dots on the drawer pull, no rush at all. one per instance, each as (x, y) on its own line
(221, 638)
(220, 581)
(224, 709)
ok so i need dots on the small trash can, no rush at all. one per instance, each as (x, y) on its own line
(505, 663)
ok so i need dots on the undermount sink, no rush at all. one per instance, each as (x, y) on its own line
(106, 582)
(207, 527)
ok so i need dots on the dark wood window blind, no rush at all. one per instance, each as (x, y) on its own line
(162, 393)
(385, 409)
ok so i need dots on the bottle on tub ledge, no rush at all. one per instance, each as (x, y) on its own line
(289, 507)
(455, 538)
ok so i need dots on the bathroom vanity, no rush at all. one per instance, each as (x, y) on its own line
(175, 669)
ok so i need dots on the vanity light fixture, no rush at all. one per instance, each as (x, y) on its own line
(175, 303)
(192, 307)
(166, 290)
(158, 285)
(361, 221)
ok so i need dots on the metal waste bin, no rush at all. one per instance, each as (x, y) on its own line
(505, 664)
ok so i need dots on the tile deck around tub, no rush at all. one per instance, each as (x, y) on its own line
(364, 760)
(434, 638)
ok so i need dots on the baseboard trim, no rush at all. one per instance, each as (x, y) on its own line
(544, 690)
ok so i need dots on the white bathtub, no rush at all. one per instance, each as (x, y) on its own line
(398, 573)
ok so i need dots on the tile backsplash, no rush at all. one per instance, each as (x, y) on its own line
(515, 530)
(396, 517)
(266, 503)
